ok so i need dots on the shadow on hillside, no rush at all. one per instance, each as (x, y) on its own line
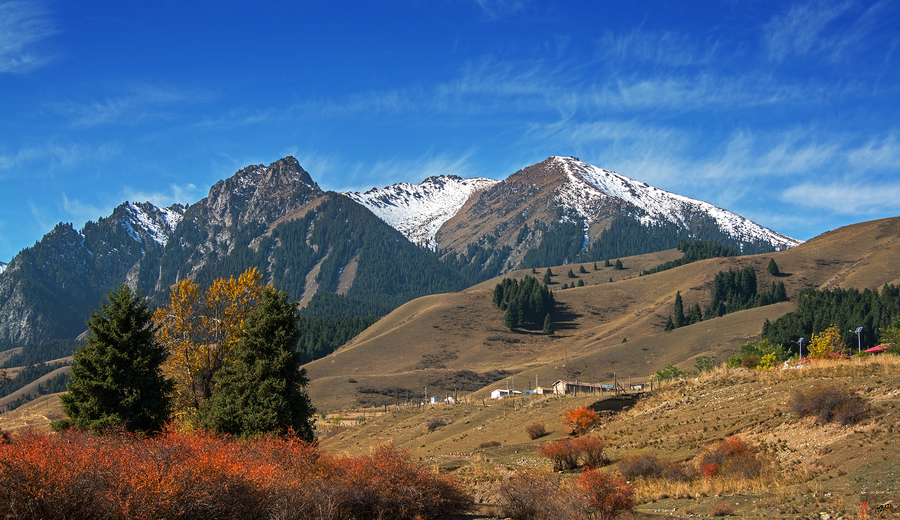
(564, 317)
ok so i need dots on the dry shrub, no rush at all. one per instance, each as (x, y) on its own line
(590, 450)
(607, 496)
(536, 431)
(563, 453)
(193, 475)
(489, 444)
(732, 458)
(722, 510)
(829, 403)
(643, 465)
(434, 424)
(538, 496)
(580, 420)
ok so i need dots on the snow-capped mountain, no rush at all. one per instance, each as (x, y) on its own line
(419, 210)
(146, 221)
(588, 186)
(3, 267)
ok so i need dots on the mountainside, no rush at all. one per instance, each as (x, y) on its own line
(613, 326)
(355, 254)
(419, 210)
(564, 210)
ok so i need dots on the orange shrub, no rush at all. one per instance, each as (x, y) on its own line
(195, 475)
(563, 453)
(580, 419)
(608, 496)
(732, 458)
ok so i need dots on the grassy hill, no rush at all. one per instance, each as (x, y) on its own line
(603, 329)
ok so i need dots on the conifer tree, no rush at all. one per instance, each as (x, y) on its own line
(581, 269)
(772, 267)
(116, 375)
(263, 391)
(546, 280)
(548, 325)
(606, 263)
(619, 265)
(679, 320)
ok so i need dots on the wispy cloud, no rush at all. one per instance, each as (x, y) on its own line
(336, 173)
(501, 8)
(847, 197)
(23, 25)
(134, 104)
(52, 156)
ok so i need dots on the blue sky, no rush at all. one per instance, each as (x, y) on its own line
(786, 113)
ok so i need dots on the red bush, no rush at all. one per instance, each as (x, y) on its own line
(608, 496)
(580, 419)
(563, 453)
(590, 451)
(175, 475)
(733, 458)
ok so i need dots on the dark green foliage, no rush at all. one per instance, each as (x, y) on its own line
(322, 336)
(548, 325)
(672, 372)
(750, 354)
(618, 266)
(705, 363)
(547, 275)
(581, 269)
(42, 351)
(527, 301)
(116, 376)
(694, 251)
(263, 391)
(845, 308)
(570, 274)
(331, 305)
(606, 263)
(678, 316)
(628, 237)
(731, 291)
(27, 375)
(772, 268)
(561, 242)
(580, 283)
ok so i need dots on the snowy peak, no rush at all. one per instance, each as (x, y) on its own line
(3, 267)
(419, 210)
(146, 220)
(588, 187)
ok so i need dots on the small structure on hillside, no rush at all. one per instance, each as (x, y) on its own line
(580, 388)
(500, 393)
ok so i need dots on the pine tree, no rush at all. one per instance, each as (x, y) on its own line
(772, 267)
(619, 265)
(263, 391)
(548, 325)
(679, 320)
(670, 324)
(547, 275)
(580, 283)
(581, 269)
(606, 263)
(116, 375)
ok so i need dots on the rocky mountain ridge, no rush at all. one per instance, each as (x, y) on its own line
(315, 243)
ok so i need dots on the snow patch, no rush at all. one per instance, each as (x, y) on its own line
(419, 210)
(158, 223)
(3, 267)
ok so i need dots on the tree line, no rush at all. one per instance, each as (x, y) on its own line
(525, 302)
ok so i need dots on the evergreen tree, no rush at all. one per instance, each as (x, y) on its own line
(619, 265)
(547, 275)
(679, 320)
(263, 391)
(595, 266)
(773, 267)
(581, 269)
(670, 324)
(580, 283)
(548, 325)
(606, 263)
(570, 274)
(696, 315)
(116, 375)
(511, 317)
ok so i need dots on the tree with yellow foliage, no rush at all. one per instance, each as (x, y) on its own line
(200, 331)
(827, 342)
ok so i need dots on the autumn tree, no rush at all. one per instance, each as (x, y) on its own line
(263, 391)
(826, 343)
(116, 375)
(200, 331)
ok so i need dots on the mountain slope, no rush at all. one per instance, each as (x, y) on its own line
(429, 339)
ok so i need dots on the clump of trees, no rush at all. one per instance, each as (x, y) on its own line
(525, 302)
(731, 291)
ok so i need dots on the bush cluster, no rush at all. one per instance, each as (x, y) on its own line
(530, 496)
(731, 458)
(568, 454)
(647, 465)
(176, 475)
(828, 403)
